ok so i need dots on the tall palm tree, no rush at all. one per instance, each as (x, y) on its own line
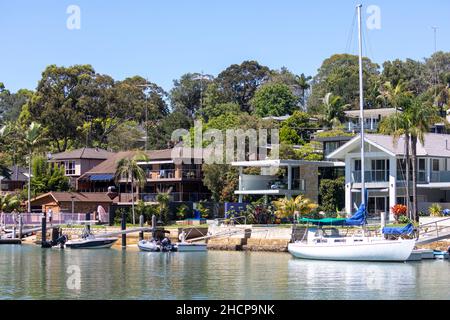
(397, 125)
(163, 199)
(334, 109)
(128, 168)
(33, 137)
(419, 116)
(396, 96)
(303, 83)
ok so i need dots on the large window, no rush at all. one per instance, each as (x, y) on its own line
(69, 167)
(422, 170)
(380, 170)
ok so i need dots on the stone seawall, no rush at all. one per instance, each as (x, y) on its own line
(253, 238)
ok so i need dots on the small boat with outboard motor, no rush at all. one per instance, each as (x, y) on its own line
(86, 241)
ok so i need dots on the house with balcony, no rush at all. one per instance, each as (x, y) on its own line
(184, 181)
(385, 172)
(280, 178)
(79, 161)
(372, 119)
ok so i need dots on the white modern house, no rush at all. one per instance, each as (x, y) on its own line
(385, 172)
(281, 178)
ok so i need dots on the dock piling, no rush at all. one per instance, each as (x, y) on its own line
(141, 224)
(124, 227)
(44, 230)
(20, 226)
(153, 226)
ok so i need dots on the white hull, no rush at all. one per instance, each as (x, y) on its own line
(367, 250)
(95, 243)
(191, 247)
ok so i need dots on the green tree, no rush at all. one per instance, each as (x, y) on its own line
(56, 102)
(419, 116)
(339, 74)
(409, 72)
(273, 100)
(128, 169)
(32, 139)
(238, 83)
(9, 203)
(187, 93)
(334, 107)
(47, 177)
(332, 194)
(214, 111)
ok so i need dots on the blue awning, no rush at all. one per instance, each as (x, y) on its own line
(101, 177)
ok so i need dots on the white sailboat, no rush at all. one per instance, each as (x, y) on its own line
(320, 246)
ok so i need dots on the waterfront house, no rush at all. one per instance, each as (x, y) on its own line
(385, 172)
(79, 161)
(16, 181)
(372, 119)
(282, 178)
(163, 174)
(71, 202)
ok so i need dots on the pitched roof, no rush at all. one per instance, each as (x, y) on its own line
(371, 113)
(83, 153)
(435, 145)
(109, 166)
(77, 197)
(17, 174)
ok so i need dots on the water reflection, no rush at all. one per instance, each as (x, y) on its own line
(28, 272)
(353, 280)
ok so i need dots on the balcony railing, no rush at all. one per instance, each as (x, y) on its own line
(173, 196)
(167, 174)
(441, 176)
(370, 176)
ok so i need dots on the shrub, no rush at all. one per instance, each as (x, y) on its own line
(435, 210)
(399, 210)
(332, 195)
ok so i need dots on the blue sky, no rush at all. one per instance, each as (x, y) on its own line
(162, 40)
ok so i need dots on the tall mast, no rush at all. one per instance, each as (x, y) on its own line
(361, 106)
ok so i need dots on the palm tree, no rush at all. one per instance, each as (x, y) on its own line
(395, 96)
(9, 202)
(286, 207)
(397, 125)
(163, 198)
(419, 117)
(334, 109)
(32, 138)
(129, 169)
(303, 83)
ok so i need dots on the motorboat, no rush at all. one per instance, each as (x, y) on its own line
(87, 241)
(156, 246)
(91, 242)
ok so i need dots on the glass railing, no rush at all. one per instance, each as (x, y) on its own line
(370, 176)
(441, 176)
(174, 174)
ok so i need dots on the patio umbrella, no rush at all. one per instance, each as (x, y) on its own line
(102, 214)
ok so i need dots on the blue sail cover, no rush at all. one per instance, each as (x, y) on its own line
(399, 231)
(359, 218)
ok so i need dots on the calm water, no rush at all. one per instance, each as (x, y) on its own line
(29, 272)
